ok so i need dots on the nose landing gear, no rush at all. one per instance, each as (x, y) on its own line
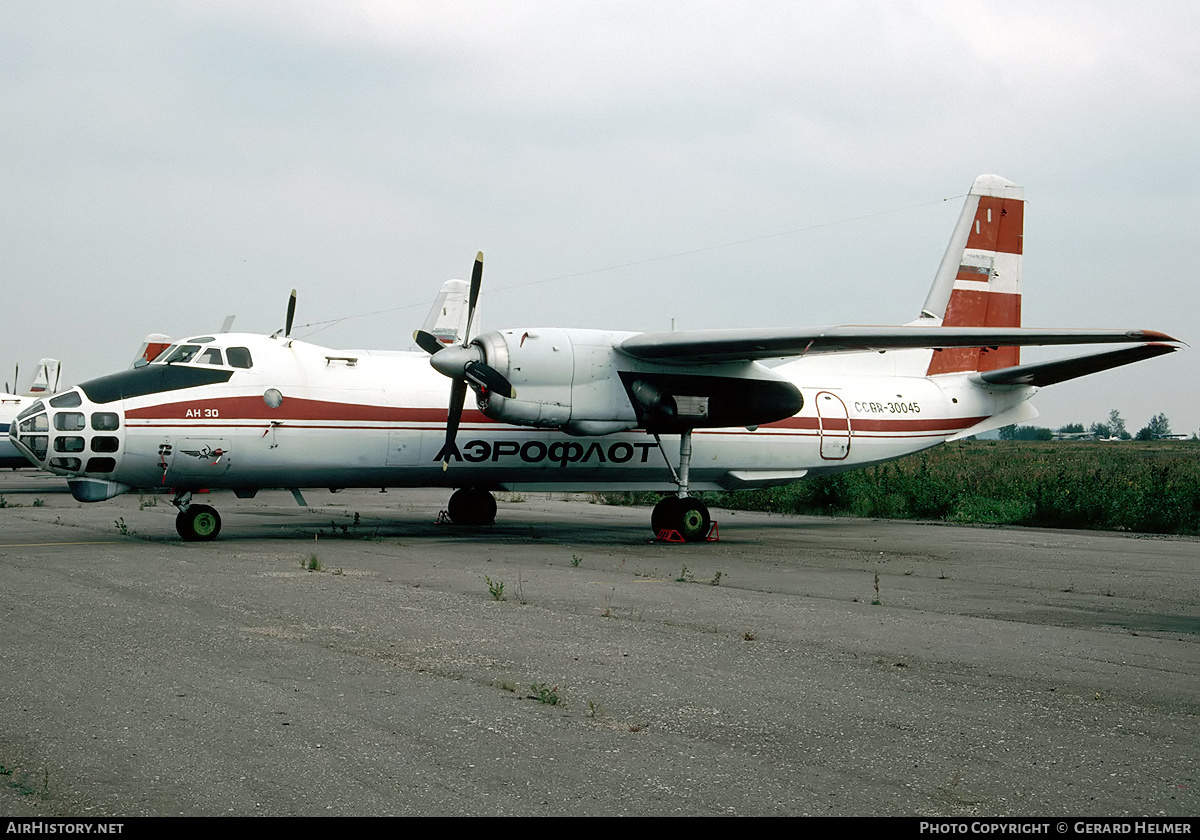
(195, 523)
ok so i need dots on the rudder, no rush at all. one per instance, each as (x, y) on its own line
(979, 281)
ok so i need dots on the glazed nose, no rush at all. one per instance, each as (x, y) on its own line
(29, 433)
(67, 435)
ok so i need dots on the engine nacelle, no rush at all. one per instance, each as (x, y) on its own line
(564, 379)
(577, 381)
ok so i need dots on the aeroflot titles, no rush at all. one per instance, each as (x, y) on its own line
(560, 452)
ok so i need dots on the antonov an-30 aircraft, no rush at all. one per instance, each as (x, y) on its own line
(574, 409)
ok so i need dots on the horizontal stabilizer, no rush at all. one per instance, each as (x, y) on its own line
(1048, 373)
(737, 345)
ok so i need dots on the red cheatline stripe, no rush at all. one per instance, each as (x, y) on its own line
(803, 426)
(862, 424)
(251, 409)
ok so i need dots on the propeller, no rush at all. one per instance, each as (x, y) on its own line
(465, 365)
(286, 332)
(291, 315)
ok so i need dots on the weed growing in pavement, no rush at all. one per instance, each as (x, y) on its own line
(544, 694)
(496, 587)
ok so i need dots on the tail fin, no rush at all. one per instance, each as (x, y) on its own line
(154, 344)
(979, 281)
(46, 380)
(447, 320)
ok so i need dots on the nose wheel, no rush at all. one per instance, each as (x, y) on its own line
(198, 523)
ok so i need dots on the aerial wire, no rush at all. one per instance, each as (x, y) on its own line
(324, 325)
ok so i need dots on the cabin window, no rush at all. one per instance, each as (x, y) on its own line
(105, 421)
(239, 357)
(35, 424)
(104, 443)
(101, 465)
(33, 409)
(36, 444)
(69, 421)
(72, 464)
(68, 444)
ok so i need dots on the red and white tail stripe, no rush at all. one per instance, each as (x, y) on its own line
(979, 281)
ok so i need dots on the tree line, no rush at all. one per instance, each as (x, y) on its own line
(1114, 428)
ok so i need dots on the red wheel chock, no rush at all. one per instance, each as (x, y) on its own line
(672, 536)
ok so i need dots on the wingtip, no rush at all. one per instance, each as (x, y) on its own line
(1155, 335)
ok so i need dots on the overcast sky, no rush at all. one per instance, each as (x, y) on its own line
(165, 164)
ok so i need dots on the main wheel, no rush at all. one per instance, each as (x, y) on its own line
(693, 520)
(688, 516)
(664, 516)
(198, 523)
(472, 507)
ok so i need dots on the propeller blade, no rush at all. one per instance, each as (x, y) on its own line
(487, 377)
(458, 395)
(473, 298)
(465, 366)
(291, 315)
(428, 342)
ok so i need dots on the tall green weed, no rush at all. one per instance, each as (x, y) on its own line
(1128, 486)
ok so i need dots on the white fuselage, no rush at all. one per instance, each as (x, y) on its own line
(305, 416)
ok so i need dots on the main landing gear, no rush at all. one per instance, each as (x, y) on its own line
(195, 523)
(681, 513)
(684, 514)
(473, 507)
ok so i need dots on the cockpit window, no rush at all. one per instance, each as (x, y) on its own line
(211, 356)
(239, 357)
(182, 353)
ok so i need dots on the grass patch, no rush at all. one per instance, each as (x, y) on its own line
(1151, 487)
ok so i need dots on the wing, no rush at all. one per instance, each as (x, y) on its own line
(737, 345)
